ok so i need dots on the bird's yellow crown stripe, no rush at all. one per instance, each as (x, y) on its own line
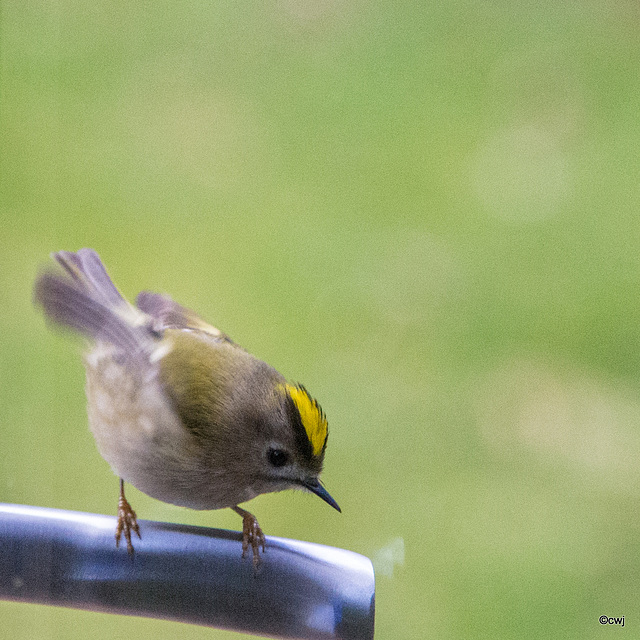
(311, 415)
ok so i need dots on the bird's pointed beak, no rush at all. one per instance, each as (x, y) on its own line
(314, 486)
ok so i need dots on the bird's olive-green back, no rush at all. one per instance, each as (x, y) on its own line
(202, 374)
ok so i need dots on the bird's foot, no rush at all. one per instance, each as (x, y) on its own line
(127, 522)
(252, 535)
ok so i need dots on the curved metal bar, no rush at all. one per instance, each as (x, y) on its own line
(190, 574)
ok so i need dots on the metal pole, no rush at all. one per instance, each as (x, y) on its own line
(184, 573)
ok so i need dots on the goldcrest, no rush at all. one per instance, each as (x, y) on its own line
(177, 408)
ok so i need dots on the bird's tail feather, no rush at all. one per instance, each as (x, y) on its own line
(87, 301)
(86, 268)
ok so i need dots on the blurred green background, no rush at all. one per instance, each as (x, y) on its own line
(427, 212)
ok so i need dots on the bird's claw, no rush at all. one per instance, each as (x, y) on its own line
(127, 522)
(253, 537)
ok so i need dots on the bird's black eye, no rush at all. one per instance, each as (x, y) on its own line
(278, 457)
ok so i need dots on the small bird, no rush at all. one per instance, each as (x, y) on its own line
(177, 408)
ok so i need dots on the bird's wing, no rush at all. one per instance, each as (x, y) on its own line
(171, 315)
